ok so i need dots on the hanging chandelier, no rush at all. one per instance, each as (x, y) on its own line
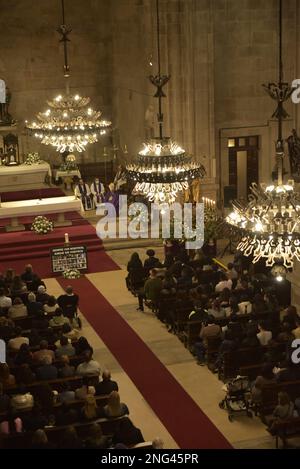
(69, 123)
(269, 223)
(162, 169)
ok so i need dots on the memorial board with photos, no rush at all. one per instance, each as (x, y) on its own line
(69, 257)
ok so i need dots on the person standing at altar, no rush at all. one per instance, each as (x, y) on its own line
(112, 197)
(82, 191)
(98, 190)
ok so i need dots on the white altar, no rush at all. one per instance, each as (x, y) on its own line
(59, 205)
(25, 176)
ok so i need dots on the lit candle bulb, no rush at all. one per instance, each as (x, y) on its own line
(67, 238)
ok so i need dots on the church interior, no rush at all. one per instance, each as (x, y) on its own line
(150, 224)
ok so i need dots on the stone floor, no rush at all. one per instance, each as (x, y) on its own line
(199, 382)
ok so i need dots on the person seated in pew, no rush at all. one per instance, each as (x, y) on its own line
(296, 331)
(40, 440)
(42, 295)
(90, 410)
(34, 307)
(30, 278)
(34, 337)
(286, 333)
(66, 415)
(96, 439)
(185, 281)
(43, 352)
(6, 378)
(216, 309)
(264, 335)
(224, 282)
(106, 386)
(65, 348)
(200, 311)
(66, 394)
(265, 377)
(18, 309)
(127, 434)
(24, 355)
(89, 366)
(84, 389)
(18, 287)
(24, 375)
(114, 407)
(58, 320)
(287, 371)
(251, 339)
(4, 400)
(8, 279)
(82, 345)
(285, 409)
(66, 370)
(16, 342)
(5, 301)
(40, 321)
(208, 330)
(46, 371)
(169, 284)
(50, 306)
(290, 315)
(69, 332)
(70, 439)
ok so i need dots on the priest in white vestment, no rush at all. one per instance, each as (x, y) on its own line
(82, 192)
(98, 190)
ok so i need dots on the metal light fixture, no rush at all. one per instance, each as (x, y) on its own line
(69, 123)
(163, 169)
(270, 222)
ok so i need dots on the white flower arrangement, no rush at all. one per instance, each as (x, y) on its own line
(71, 274)
(32, 158)
(41, 225)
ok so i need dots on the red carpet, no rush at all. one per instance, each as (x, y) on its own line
(184, 420)
(31, 194)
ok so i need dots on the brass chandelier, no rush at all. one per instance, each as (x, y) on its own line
(69, 124)
(269, 223)
(162, 169)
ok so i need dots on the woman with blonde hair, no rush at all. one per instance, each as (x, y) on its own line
(90, 409)
(114, 407)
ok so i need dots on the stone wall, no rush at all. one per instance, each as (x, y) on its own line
(218, 52)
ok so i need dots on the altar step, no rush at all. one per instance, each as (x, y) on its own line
(24, 244)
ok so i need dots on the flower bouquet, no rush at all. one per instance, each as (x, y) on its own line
(70, 164)
(41, 225)
(32, 158)
(71, 274)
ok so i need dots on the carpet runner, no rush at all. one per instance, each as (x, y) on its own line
(184, 420)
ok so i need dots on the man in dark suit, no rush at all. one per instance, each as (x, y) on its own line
(106, 386)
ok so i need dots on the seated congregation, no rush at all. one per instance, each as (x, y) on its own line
(53, 393)
(236, 321)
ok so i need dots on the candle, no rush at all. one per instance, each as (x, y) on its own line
(67, 238)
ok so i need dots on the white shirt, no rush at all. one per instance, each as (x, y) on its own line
(264, 337)
(17, 342)
(223, 284)
(5, 302)
(90, 368)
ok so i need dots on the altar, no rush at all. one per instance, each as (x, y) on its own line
(57, 205)
(24, 176)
